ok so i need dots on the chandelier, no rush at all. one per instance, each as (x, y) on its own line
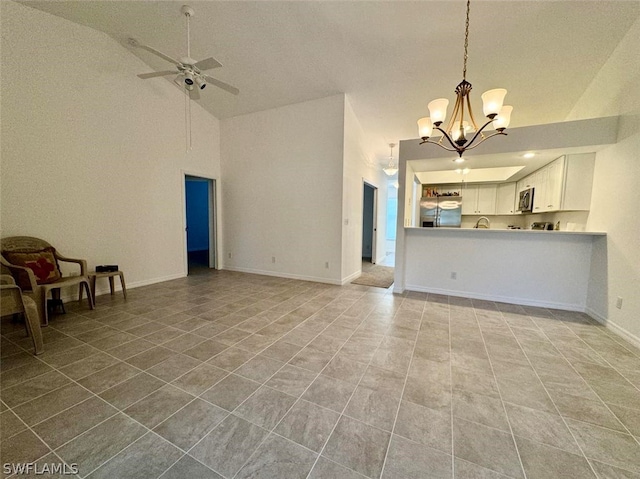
(392, 169)
(462, 124)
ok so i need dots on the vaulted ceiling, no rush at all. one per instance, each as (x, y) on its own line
(390, 58)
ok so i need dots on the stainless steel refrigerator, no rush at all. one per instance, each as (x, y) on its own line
(441, 211)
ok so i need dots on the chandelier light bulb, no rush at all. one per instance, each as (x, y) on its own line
(492, 101)
(457, 132)
(438, 110)
(425, 127)
(504, 117)
(459, 160)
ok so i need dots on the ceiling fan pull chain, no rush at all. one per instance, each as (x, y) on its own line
(188, 33)
(187, 120)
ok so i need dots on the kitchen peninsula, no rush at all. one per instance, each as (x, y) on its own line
(537, 268)
(520, 266)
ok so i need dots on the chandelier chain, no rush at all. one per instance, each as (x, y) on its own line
(466, 42)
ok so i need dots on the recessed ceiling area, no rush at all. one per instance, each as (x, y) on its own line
(468, 175)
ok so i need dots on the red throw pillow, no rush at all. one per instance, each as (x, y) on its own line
(43, 264)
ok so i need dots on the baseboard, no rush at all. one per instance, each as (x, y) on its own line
(620, 331)
(280, 274)
(162, 279)
(102, 287)
(350, 278)
(500, 299)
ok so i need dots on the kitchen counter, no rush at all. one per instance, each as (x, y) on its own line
(510, 231)
(530, 267)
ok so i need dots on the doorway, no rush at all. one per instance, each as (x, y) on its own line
(200, 223)
(369, 226)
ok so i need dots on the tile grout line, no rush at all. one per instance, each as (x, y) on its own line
(551, 398)
(453, 442)
(263, 384)
(404, 385)
(148, 430)
(342, 413)
(603, 358)
(318, 374)
(55, 368)
(597, 395)
(93, 395)
(495, 378)
(235, 326)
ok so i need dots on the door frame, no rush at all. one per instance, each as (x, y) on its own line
(213, 218)
(374, 235)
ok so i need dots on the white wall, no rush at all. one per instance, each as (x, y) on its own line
(616, 196)
(535, 268)
(92, 157)
(282, 193)
(358, 168)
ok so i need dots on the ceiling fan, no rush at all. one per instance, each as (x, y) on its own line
(189, 72)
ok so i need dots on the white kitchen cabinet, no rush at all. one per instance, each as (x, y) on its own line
(479, 200)
(578, 182)
(565, 184)
(539, 190)
(506, 199)
(555, 177)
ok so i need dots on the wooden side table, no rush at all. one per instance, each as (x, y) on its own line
(93, 276)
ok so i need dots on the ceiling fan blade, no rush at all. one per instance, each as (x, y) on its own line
(194, 93)
(207, 64)
(159, 54)
(220, 84)
(144, 76)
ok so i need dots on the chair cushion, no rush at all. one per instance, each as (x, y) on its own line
(43, 264)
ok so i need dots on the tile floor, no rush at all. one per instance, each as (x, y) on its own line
(241, 376)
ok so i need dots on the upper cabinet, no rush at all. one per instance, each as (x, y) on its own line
(563, 185)
(547, 184)
(578, 182)
(506, 199)
(479, 200)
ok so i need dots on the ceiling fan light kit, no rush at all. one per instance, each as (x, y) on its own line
(462, 123)
(188, 70)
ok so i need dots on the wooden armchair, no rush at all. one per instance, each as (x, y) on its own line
(33, 263)
(12, 302)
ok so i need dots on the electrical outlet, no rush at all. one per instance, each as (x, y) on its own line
(229, 255)
(326, 264)
(273, 259)
(454, 275)
(619, 302)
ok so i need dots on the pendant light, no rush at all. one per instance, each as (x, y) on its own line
(462, 123)
(392, 169)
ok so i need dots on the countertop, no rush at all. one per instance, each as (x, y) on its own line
(508, 231)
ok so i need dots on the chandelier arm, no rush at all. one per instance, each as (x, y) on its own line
(478, 133)
(445, 135)
(486, 138)
(456, 110)
(439, 144)
(473, 120)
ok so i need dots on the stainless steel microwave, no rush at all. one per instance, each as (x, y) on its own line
(525, 201)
